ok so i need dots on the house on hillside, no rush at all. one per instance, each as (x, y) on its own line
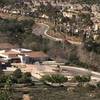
(23, 56)
(34, 56)
(9, 56)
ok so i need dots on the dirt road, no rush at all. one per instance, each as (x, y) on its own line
(26, 97)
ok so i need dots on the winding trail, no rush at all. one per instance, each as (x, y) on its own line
(74, 70)
(82, 71)
(43, 30)
(38, 70)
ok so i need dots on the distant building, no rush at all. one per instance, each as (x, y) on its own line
(34, 56)
(44, 16)
(67, 14)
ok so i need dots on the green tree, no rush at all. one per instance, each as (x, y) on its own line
(8, 84)
(4, 95)
(26, 78)
(98, 84)
(3, 78)
(90, 87)
(17, 73)
(7, 92)
(84, 78)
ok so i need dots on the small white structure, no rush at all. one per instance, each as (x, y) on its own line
(67, 14)
(44, 16)
(15, 12)
(96, 27)
(95, 36)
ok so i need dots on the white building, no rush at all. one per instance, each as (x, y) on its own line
(23, 56)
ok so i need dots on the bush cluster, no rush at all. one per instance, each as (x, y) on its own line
(17, 77)
(84, 78)
(55, 78)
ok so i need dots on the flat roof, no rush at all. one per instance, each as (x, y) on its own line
(10, 53)
(36, 54)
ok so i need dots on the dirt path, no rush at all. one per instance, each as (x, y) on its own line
(44, 29)
(26, 97)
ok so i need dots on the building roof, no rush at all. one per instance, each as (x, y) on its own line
(11, 54)
(36, 54)
(33, 54)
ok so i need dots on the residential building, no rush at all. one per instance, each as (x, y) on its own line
(23, 56)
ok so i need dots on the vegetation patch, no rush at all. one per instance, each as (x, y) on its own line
(54, 78)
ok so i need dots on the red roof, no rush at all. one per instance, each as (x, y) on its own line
(36, 54)
(12, 54)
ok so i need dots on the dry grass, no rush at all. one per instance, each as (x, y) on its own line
(11, 16)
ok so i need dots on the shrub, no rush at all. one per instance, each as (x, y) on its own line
(55, 78)
(98, 84)
(27, 74)
(14, 79)
(17, 73)
(26, 78)
(4, 95)
(83, 78)
(3, 78)
(90, 87)
(91, 45)
(17, 77)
